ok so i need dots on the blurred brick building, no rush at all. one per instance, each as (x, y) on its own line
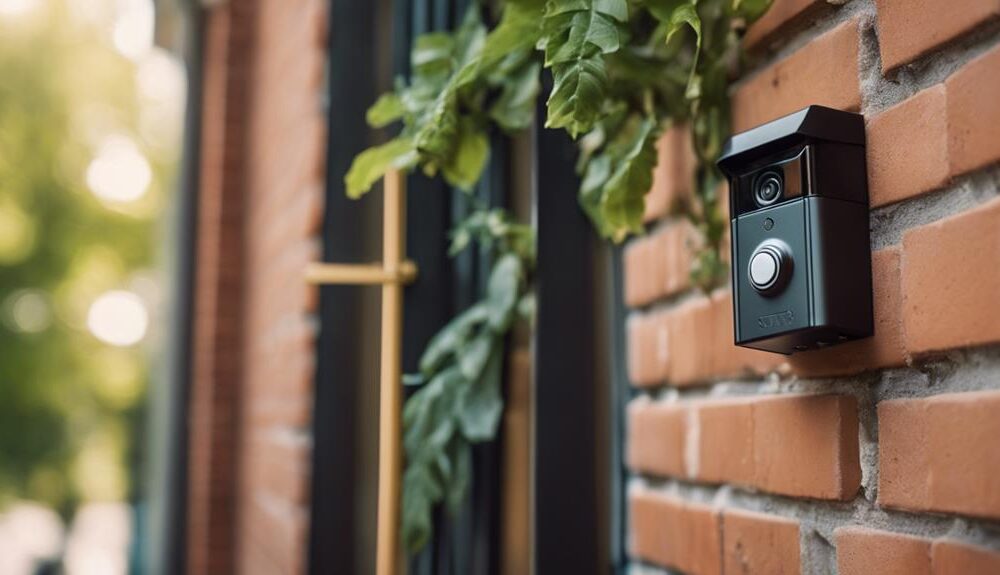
(262, 141)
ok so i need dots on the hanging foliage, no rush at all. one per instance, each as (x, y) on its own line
(622, 71)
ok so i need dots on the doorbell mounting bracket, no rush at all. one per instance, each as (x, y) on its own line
(801, 252)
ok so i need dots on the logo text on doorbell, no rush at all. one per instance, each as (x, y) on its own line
(801, 253)
(780, 319)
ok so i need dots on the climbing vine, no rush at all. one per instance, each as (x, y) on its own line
(623, 71)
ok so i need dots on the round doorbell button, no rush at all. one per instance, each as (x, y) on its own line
(770, 267)
(764, 268)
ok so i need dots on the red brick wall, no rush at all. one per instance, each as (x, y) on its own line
(877, 456)
(263, 158)
(285, 186)
(218, 298)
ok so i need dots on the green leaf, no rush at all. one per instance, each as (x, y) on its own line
(432, 54)
(575, 36)
(429, 417)
(624, 193)
(462, 476)
(592, 193)
(515, 108)
(414, 379)
(750, 10)
(446, 342)
(480, 405)
(473, 357)
(420, 492)
(386, 110)
(676, 14)
(502, 292)
(527, 306)
(372, 164)
(577, 94)
(518, 31)
(472, 150)
(469, 37)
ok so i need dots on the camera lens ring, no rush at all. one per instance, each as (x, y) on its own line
(768, 188)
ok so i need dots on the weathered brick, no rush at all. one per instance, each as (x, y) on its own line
(908, 29)
(950, 280)
(886, 348)
(755, 543)
(863, 551)
(973, 114)
(941, 453)
(659, 265)
(902, 454)
(675, 533)
(656, 437)
(807, 446)
(799, 445)
(725, 442)
(908, 148)
(648, 360)
(825, 72)
(782, 15)
(674, 174)
(950, 557)
(644, 268)
(691, 342)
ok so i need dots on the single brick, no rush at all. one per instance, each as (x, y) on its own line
(902, 480)
(755, 543)
(647, 349)
(782, 14)
(825, 72)
(656, 437)
(645, 268)
(674, 533)
(950, 281)
(886, 348)
(908, 148)
(659, 265)
(863, 551)
(908, 29)
(701, 540)
(691, 342)
(680, 242)
(973, 114)
(800, 445)
(724, 433)
(941, 454)
(953, 558)
(807, 446)
(653, 519)
(674, 174)
(964, 453)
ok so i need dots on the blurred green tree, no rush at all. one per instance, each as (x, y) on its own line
(83, 179)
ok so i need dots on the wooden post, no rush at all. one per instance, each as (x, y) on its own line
(390, 457)
(392, 274)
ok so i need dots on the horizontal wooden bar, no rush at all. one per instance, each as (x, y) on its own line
(360, 274)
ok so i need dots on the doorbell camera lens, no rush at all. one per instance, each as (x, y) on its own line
(769, 188)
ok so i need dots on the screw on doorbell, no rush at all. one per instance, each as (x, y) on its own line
(798, 196)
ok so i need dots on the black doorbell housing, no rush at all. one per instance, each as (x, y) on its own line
(801, 254)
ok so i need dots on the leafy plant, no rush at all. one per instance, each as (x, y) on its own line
(623, 71)
(459, 402)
